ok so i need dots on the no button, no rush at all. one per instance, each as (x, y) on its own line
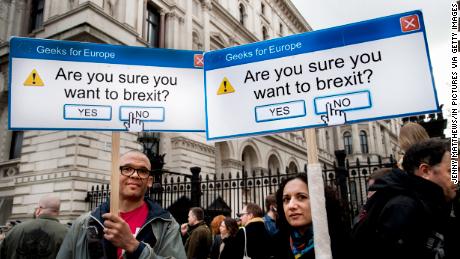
(344, 102)
(280, 111)
(142, 113)
(87, 112)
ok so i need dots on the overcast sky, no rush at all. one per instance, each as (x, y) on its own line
(321, 14)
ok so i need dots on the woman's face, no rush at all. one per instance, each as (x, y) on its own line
(223, 229)
(296, 205)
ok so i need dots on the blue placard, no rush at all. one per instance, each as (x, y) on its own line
(156, 74)
(235, 62)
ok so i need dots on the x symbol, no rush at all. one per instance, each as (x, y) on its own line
(410, 23)
(198, 60)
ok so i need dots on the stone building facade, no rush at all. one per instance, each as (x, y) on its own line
(67, 163)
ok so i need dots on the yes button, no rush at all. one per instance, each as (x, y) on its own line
(87, 112)
(280, 111)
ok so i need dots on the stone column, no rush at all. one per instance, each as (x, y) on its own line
(339, 136)
(387, 144)
(188, 40)
(162, 29)
(355, 139)
(323, 139)
(331, 140)
(129, 13)
(141, 10)
(50, 9)
(370, 138)
(173, 31)
(207, 7)
(11, 20)
(379, 140)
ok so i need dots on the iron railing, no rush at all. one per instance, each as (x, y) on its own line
(227, 193)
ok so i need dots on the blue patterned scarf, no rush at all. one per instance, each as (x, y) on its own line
(301, 244)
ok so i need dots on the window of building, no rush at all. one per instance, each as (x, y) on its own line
(293, 168)
(36, 15)
(347, 142)
(274, 164)
(264, 33)
(262, 8)
(242, 11)
(363, 141)
(281, 29)
(16, 144)
(249, 159)
(153, 26)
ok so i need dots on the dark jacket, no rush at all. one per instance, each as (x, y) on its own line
(214, 251)
(405, 218)
(198, 242)
(228, 252)
(259, 242)
(453, 236)
(38, 238)
(159, 237)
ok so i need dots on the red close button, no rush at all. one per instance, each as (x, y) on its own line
(198, 60)
(409, 23)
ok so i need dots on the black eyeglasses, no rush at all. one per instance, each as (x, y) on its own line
(241, 214)
(128, 171)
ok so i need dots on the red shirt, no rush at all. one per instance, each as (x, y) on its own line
(135, 219)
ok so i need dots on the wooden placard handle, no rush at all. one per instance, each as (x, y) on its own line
(115, 177)
(317, 198)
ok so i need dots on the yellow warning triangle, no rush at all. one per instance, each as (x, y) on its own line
(34, 79)
(225, 87)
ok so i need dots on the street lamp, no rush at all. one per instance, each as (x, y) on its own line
(151, 147)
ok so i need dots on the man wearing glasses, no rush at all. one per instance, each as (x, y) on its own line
(253, 237)
(142, 230)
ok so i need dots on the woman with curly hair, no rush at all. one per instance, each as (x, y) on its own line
(216, 236)
(228, 229)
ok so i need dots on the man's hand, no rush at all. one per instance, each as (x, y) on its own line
(117, 231)
(134, 124)
(333, 116)
(183, 229)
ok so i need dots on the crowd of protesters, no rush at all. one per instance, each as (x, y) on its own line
(411, 212)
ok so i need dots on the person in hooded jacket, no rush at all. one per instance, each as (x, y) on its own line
(406, 217)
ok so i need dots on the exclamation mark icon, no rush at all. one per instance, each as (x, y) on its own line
(225, 87)
(34, 79)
